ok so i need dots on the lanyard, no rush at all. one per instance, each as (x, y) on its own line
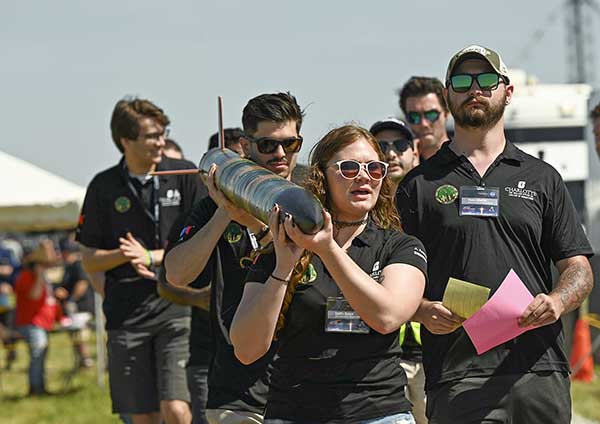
(156, 201)
(155, 216)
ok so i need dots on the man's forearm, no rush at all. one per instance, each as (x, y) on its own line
(100, 260)
(186, 261)
(574, 284)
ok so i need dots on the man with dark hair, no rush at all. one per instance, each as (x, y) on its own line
(172, 149)
(595, 115)
(124, 224)
(483, 208)
(215, 245)
(423, 105)
(233, 138)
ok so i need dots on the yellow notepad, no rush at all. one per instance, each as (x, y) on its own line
(464, 298)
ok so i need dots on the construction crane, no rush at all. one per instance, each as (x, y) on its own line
(581, 57)
(580, 50)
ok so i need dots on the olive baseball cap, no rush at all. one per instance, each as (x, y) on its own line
(478, 52)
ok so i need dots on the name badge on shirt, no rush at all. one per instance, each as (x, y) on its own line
(479, 201)
(341, 318)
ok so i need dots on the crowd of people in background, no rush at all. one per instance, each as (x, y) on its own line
(43, 288)
(213, 316)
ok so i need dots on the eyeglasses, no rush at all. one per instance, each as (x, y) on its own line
(157, 135)
(267, 145)
(461, 83)
(415, 118)
(401, 145)
(350, 169)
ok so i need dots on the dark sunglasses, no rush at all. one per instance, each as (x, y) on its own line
(350, 169)
(401, 145)
(415, 118)
(461, 83)
(267, 145)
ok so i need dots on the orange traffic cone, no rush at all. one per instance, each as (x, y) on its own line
(581, 359)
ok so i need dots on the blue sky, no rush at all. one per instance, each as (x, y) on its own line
(66, 63)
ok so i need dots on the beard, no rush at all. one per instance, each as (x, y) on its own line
(480, 118)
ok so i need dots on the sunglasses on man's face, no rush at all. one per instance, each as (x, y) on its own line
(401, 145)
(461, 83)
(267, 145)
(350, 169)
(415, 118)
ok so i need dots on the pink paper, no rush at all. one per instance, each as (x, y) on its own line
(496, 322)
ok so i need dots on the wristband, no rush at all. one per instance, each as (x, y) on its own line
(280, 279)
(149, 259)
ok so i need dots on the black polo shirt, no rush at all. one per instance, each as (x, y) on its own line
(231, 384)
(537, 224)
(113, 207)
(333, 377)
(201, 343)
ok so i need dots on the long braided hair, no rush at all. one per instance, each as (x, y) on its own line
(384, 213)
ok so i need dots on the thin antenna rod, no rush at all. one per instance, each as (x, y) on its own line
(221, 129)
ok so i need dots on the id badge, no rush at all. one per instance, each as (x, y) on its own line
(341, 318)
(479, 201)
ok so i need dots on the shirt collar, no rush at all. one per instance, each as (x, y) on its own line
(368, 235)
(510, 152)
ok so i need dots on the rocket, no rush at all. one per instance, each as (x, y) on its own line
(256, 190)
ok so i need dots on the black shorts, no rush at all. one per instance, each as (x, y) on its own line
(147, 365)
(532, 398)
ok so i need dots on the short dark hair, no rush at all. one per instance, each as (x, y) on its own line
(172, 144)
(595, 113)
(232, 135)
(276, 107)
(421, 86)
(125, 121)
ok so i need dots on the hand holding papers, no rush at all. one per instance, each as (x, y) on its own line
(464, 298)
(497, 321)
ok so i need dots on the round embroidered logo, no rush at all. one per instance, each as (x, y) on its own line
(122, 204)
(446, 194)
(233, 233)
(309, 276)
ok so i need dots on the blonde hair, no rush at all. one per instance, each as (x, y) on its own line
(384, 213)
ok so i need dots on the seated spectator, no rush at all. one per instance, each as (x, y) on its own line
(77, 298)
(36, 310)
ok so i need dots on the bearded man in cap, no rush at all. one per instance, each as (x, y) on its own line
(482, 207)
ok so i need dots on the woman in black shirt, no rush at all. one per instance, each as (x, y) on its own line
(336, 299)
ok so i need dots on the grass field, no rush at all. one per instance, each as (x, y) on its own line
(79, 401)
(82, 402)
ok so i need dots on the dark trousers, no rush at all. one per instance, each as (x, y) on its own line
(532, 398)
(197, 377)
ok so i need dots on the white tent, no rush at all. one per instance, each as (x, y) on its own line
(32, 199)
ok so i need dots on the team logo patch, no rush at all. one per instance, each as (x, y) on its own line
(309, 276)
(233, 233)
(446, 194)
(122, 204)
(184, 232)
